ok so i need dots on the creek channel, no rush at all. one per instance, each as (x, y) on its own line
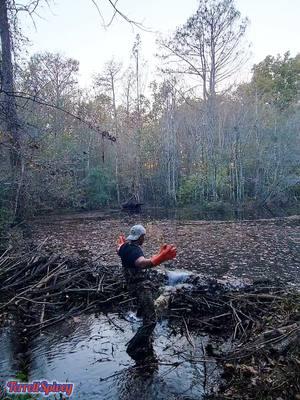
(89, 351)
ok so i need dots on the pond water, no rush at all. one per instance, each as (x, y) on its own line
(172, 213)
(89, 351)
(193, 213)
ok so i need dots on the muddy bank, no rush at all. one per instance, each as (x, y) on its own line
(255, 249)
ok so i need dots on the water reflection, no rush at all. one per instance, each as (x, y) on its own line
(90, 352)
(184, 213)
(194, 213)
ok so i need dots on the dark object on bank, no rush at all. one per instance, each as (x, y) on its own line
(132, 206)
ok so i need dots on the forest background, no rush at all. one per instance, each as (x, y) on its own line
(194, 137)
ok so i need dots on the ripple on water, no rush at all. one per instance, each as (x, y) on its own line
(91, 353)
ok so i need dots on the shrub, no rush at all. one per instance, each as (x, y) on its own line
(100, 188)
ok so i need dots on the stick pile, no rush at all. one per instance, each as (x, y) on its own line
(260, 325)
(39, 286)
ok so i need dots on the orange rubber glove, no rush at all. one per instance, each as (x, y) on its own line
(121, 240)
(167, 252)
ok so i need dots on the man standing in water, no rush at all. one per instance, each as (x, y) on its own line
(136, 272)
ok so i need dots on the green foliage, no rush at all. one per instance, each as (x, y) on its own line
(100, 188)
(5, 217)
(189, 190)
(22, 376)
(277, 80)
(5, 211)
(296, 191)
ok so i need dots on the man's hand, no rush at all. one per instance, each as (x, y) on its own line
(167, 252)
(121, 240)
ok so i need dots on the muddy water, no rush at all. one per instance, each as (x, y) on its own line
(90, 352)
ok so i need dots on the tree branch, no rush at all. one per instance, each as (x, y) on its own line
(39, 101)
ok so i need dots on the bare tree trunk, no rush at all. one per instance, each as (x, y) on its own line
(137, 180)
(171, 145)
(11, 123)
(173, 149)
(10, 112)
(116, 136)
(212, 149)
(88, 163)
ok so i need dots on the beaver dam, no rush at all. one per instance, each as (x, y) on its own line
(229, 332)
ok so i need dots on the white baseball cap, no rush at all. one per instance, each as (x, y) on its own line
(136, 232)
